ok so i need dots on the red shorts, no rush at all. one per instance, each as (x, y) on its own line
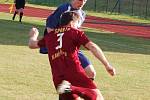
(68, 96)
(79, 79)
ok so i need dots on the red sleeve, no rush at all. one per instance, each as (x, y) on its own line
(41, 42)
(82, 39)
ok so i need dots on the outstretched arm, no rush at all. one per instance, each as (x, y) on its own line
(33, 35)
(96, 50)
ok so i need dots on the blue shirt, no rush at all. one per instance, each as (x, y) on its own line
(54, 19)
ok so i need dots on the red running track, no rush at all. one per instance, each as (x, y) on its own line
(120, 27)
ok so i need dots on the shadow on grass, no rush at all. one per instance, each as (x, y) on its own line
(15, 33)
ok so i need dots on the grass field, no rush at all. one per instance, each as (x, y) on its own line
(25, 74)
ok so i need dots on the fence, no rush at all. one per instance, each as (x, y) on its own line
(139, 8)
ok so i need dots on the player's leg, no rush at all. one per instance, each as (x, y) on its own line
(43, 50)
(88, 67)
(90, 71)
(21, 14)
(86, 93)
(69, 96)
(65, 92)
(99, 95)
(17, 6)
(15, 13)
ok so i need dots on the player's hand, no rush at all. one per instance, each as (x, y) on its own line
(111, 70)
(33, 33)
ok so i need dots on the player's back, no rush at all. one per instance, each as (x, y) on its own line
(20, 1)
(63, 45)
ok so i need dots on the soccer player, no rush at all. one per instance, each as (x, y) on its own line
(53, 22)
(63, 45)
(19, 4)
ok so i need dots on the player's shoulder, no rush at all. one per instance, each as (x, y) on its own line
(76, 30)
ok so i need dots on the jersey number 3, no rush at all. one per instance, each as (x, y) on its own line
(60, 36)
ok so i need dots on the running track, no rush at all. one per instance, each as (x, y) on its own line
(120, 27)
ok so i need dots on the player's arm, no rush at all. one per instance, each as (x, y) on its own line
(33, 41)
(96, 50)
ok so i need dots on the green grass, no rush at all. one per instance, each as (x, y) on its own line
(6, 1)
(25, 74)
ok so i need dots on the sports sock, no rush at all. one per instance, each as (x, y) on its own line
(21, 15)
(14, 15)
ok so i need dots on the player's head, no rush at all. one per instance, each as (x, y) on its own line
(78, 4)
(69, 18)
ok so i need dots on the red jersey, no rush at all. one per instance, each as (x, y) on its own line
(63, 44)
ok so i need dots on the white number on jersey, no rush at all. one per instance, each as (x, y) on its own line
(60, 35)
